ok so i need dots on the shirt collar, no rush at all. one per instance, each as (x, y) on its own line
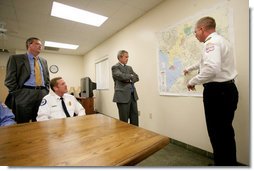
(31, 56)
(122, 64)
(210, 36)
(56, 96)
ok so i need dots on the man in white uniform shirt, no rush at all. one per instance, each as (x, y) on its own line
(217, 72)
(51, 105)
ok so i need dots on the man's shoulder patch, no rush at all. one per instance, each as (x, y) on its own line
(209, 47)
(43, 102)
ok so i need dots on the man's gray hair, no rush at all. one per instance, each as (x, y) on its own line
(120, 53)
(207, 22)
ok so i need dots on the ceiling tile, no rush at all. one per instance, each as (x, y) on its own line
(25, 18)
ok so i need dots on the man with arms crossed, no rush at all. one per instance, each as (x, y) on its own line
(125, 92)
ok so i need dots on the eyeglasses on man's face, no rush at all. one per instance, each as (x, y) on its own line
(197, 30)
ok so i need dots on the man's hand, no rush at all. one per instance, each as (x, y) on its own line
(191, 87)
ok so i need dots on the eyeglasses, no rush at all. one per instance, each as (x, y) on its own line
(196, 30)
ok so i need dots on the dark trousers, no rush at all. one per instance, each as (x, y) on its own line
(26, 104)
(220, 102)
(128, 111)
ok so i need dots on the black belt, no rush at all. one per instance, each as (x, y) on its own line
(34, 87)
(219, 83)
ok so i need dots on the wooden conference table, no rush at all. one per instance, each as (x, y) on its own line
(91, 140)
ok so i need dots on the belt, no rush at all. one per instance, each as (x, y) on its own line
(34, 87)
(219, 83)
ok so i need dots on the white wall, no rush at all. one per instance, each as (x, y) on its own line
(3, 89)
(4, 58)
(70, 67)
(181, 118)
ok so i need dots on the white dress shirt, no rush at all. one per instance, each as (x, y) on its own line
(217, 63)
(51, 107)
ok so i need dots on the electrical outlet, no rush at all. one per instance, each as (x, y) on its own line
(150, 115)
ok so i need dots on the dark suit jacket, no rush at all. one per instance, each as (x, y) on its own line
(123, 76)
(18, 72)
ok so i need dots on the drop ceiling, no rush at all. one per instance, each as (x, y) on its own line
(28, 18)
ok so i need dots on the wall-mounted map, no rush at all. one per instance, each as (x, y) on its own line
(178, 48)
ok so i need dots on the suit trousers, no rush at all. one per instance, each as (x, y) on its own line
(128, 111)
(27, 102)
(220, 102)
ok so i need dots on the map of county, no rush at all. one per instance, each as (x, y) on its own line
(178, 48)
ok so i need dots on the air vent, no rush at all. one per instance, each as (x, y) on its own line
(51, 48)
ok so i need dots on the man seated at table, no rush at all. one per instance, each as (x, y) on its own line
(6, 115)
(59, 104)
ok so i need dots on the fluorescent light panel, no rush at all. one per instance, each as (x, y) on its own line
(78, 15)
(60, 45)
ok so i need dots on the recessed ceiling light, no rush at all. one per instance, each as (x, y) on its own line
(78, 15)
(60, 45)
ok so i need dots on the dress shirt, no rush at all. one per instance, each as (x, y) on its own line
(6, 116)
(51, 107)
(31, 80)
(217, 63)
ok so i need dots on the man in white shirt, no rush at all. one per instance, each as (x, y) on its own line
(217, 72)
(58, 104)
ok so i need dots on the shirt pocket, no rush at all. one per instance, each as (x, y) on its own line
(70, 107)
(56, 111)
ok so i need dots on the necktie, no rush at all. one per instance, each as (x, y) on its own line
(64, 108)
(37, 72)
(132, 87)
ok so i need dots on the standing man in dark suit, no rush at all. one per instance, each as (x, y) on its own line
(27, 78)
(125, 92)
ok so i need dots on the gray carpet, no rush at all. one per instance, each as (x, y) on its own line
(174, 155)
